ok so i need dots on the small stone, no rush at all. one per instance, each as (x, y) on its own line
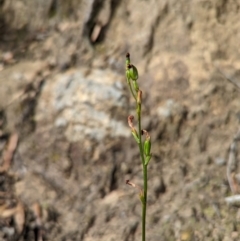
(220, 161)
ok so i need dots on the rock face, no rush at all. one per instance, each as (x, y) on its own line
(86, 105)
(63, 91)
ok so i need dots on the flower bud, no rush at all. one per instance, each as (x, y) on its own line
(133, 130)
(128, 74)
(135, 85)
(147, 159)
(135, 135)
(147, 144)
(147, 147)
(133, 72)
(130, 121)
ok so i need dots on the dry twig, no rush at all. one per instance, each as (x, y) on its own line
(9, 152)
(19, 217)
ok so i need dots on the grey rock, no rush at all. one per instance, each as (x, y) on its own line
(85, 105)
(170, 109)
(219, 161)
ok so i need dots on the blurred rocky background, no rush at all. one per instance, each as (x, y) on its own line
(65, 146)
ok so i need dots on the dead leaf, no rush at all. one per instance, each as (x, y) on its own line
(19, 217)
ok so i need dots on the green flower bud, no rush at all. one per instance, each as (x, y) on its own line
(135, 135)
(133, 72)
(148, 158)
(147, 146)
(135, 85)
(128, 74)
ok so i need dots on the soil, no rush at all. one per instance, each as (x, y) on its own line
(65, 147)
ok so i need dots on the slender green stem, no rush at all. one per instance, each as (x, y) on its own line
(131, 89)
(144, 203)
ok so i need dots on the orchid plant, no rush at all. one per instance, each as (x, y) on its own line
(144, 146)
